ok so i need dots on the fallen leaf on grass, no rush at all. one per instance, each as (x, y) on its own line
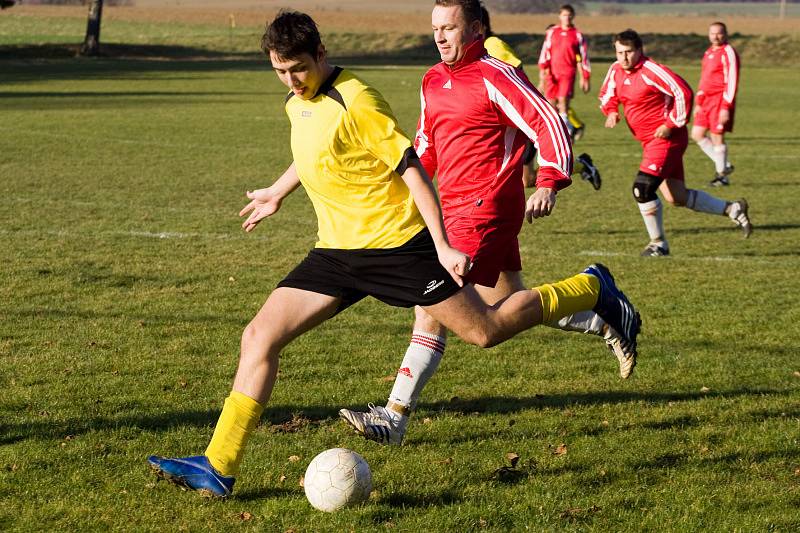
(386, 379)
(704, 389)
(294, 458)
(282, 478)
(447, 461)
(427, 420)
(796, 471)
(302, 481)
(513, 458)
(561, 449)
(245, 516)
(796, 373)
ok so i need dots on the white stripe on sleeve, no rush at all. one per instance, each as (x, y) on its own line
(678, 114)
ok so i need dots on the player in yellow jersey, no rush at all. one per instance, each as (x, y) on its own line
(373, 201)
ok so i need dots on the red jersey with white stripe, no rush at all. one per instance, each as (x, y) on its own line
(561, 51)
(476, 117)
(651, 94)
(720, 75)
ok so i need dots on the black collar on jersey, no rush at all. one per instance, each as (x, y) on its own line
(327, 88)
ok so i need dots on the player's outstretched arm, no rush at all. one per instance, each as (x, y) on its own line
(265, 202)
(418, 182)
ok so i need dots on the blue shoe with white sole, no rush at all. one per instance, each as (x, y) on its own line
(194, 473)
(615, 308)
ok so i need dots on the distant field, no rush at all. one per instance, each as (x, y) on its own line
(723, 10)
(414, 17)
(58, 33)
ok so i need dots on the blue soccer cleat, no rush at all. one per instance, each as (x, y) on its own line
(194, 473)
(615, 308)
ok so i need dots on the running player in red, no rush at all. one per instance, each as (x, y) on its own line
(715, 102)
(478, 114)
(564, 53)
(656, 103)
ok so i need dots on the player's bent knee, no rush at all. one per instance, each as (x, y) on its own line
(645, 187)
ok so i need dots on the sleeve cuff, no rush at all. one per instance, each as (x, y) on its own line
(408, 156)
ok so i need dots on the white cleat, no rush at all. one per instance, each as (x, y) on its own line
(626, 355)
(738, 214)
(377, 425)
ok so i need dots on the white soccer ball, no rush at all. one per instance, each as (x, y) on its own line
(336, 478)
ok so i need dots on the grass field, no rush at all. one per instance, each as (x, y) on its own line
(126, 282)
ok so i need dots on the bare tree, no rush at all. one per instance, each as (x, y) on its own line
(91, 43)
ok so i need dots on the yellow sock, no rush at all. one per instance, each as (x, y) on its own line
(573, 118)
(567, 297)
(239, 417)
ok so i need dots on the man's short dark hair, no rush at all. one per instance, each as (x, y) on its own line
(721, 25)
(290, 35)
(471, 8)
(567, 7)
(628, 38)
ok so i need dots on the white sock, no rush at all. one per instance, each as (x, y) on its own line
(703, 202)
(653, 215)
(565, 118)
(708, 148)
(582, 322)
(420, 362)
(720, 157)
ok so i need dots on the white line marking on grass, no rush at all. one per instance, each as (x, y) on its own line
(143, 234)
(719, 259)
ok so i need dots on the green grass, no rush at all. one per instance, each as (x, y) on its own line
(126, 282)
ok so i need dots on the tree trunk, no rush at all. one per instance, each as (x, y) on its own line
(91, 43)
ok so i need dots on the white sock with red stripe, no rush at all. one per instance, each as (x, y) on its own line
(705, 203)
(420, 362)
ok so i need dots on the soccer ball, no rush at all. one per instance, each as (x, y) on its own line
(336, 478)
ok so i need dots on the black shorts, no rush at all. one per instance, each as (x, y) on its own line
(405, 276)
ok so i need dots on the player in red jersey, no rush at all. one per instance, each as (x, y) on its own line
(656, 103)
(715, 102)
(478, 113)
(564, 53)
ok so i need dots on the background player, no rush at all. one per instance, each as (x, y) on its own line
(715, 102)
(477, 116)
(373, 201)
(640, 85)
(565, 53)
(499, 49)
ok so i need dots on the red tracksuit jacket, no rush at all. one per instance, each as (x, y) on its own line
(475, 119)
(651, 94)
(720, 74)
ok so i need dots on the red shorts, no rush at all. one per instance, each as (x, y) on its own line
(491, 244)
(707, 115)
(664, 157)
(560, 86)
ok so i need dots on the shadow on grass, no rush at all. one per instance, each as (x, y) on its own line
(294, 418)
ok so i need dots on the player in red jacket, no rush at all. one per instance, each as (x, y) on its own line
(564, 53)
(715, 102)
(657, 103)
(477, 115)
